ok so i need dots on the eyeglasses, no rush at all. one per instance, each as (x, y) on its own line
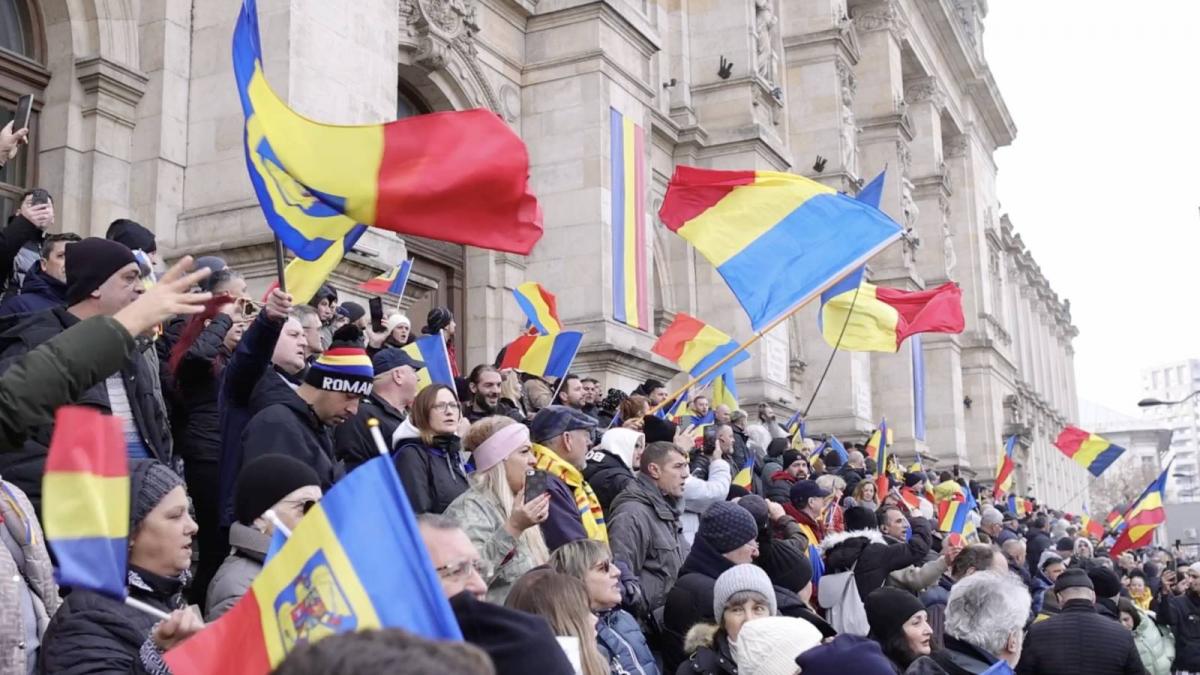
(462, 569)
(444, 406)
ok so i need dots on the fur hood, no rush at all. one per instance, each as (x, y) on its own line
(872, 537)
(700, 635)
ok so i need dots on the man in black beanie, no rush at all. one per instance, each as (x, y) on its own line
(102, 278)
(136, 237)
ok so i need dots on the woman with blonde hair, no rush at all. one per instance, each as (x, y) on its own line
(835, 515)
(563, 602)
(494, 512)
(865, 495)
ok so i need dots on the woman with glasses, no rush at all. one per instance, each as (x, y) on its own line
(497, 515)
(618, 635)
(281, 485)
(563, 602)
(427, 451)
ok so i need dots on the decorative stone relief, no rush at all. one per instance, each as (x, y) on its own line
(904, 155)
(510, 102)
(849, 126)
(766, 29)
(882, 17)
(438, 26)
(949, 257)
(956, 146)
(925, 90)
(908, 205)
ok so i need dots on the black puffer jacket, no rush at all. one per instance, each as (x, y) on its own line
(607, 474)
(433, 475)
(39, 292)
(708, 652)
(197, 384)
(352, 441)
(1078, 641)
(1182, 614)
(690, 600)
(290, 427)
(94, 634)
(875, 558)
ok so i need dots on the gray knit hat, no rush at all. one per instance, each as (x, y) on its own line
(727, 526)
(742, 578)
(149, 482)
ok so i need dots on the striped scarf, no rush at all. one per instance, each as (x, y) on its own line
(589, 506)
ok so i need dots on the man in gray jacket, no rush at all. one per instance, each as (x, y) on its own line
(645, 529)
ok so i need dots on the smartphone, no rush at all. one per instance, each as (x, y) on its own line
(535, 485)
(39, 196)
(24, 110)
(376, 307)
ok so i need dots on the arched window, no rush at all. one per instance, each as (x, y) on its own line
(21, 72)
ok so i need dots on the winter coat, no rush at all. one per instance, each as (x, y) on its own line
(779, 487)
(647, 534)
(290, 427)
(39, 292)
(478, 513)
(198, 384)
(1037, 544)
(917, 578)
(1182, 614)
(709, 652)
(503, 407)
(1078, 641)
(76, 376)
(690, 600)
(248, 550)
(353, 443)
(935, 600)
(93, 633)
(813, 531)
(573, 503)
(701, 492)
(791, 605)
(875, 559)
(622, 644)
(1007, 534)
(957, 658)
(608, 475)
(433, 475)
(250, 363)
(20, 246)
(852, 477)
(1154, 644)
(27, 588)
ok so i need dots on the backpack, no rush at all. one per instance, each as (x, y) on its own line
(838, 595)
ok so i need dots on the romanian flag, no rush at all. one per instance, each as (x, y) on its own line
(1020, 506)
(1004, 472)
(356, 562)
(85, 501)
(431, 350)
(952, 516)
(695, 346)
(745, 474)
(540, 306)
(316, 182)
(393, 281)
(883, 317)
(1115, 520)
(1088, 450)
(627, 156)
(1144, 516)
(548, 356)
(910, 498)
(763, 225)
(724, 391)
(303, 278)
(1092, 528)
(879, 443)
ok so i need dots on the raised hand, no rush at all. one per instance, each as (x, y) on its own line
(171, 296)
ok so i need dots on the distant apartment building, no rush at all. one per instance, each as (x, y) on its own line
(1176, 382)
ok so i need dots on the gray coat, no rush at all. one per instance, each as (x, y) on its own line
(33, 571)
(646, 532)
(479, 515)
(238, 571)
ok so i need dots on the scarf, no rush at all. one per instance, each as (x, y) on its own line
(590, 512)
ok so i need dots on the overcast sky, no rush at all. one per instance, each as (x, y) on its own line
(1103, 180)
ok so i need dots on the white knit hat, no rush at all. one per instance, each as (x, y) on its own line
(770, 645)
(395, 320)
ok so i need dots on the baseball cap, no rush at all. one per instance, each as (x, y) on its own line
(806, 489)
(555, 420)
(390, 358)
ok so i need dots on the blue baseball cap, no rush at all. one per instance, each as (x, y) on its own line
(387, 359)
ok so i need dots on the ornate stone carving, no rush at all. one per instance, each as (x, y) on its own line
(882, 17)
(956, 146)
(949, 257)
(925, 90)
(510, 102)
(849, 125)
(908, 205)
(766, 29)
(904, 156)
(438, 26)
(968, 15)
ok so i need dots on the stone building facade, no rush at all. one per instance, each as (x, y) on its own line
(138, 117)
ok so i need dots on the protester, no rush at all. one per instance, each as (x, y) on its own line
(656, 392)
(354, 314)
(742, 593)
(853, 471)
(45, 285)
(1110, 648)
(591, 397)
(277, 483)
(392, 392)
(325, 301)
(440, 321)
(835, 515)
(1014, 551)
(389, 650)
(1138, 591)
(806, 502)
(632, 412)
(570, 392)
(618, 636)
(770, 645)
(1045, 602)
(498, 516)
(985, 620)
(990, 525)
(1065, 549)
(1177, 606)
(862, 547)
(562, 437)
(28, 593)
(1008, 529)
(610, 467)
(972, 559)
(485, 383)
(1107, 586)
(92, 630)
(427, 451)
(459, 566)
(645, 529)
(846, 654)
(563, 601)
(900, 624)
(1155, 649)
(310, 323)
(864, 494)
(710, 478)
(795, 468)
(398, 329)
(920, 576)
(1038, 541)
(24, 236)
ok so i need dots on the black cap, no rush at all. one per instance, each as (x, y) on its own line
(1073, 578)
(392, 358)
(516, 641)
(89, 263)
(1065, 544)
(658, 429)
(1105, 582)
(265, 480)
(132, 235)
(555, 420)
(351, 310)
(803, 490)
(437, 319)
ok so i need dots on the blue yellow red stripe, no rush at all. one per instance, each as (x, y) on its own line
(1004, 471)
(543, 355)
(1087, 449)
(540, 306)
(1146, 514)
(952, 516)
(628, 188)
(431, 350)
(696, 346)
(393, 281)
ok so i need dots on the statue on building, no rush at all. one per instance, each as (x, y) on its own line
(908, 205)
(949, 257)
(766, 25)
(849, 133)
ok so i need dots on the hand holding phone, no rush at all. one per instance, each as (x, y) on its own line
(535, 484)
(376, 307)
(23, 113)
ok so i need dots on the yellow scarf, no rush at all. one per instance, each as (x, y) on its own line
(589, 506)
(1142, 600)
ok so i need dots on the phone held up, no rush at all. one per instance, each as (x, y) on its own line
(376, 307)
(23, 113)
(535, 485)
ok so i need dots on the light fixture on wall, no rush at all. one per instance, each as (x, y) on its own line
(669, 83)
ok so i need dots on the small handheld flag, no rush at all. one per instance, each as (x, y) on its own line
(879, 442)
(431, 350)
(393, 281)
(547, 356)
(952, 516)
(1088, 450)
(540, 306)
(1004, 473)
(695, 346)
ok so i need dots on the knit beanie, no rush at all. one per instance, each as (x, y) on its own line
(860, 518)
(517, 642)
(742, 578)
(131, 235)
(770, 645)
(887, 611)
(790, 457)
(1105, 582)
(1072, 578)
(345, 366)
(437, 319)
(90, 263)
(351, 310)
(266, 480)
(657, 429)
(784, 561)
(846, 654)
(149, 481)
(726, 526)
(757, 506)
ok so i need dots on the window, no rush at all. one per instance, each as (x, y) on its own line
(21, 72)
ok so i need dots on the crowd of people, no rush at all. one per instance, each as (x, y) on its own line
(572, 531)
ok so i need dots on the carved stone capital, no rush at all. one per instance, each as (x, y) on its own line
(956, 146)
(111, 89)
(925, 89)
(437, 27)
(883, 16)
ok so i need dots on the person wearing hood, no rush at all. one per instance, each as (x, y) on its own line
(900, 624)
(301, 425)
(45, 285)
(741, 594)
(771, 645)
(1154, 644)
(92, 630)
(393, 391)
(795, 468)
(277, 483)
(427, 451)
(611, 466)
(862, 547)
(440, 321)
(728, 536)
(325, 301)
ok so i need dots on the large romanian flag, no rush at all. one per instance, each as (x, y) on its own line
(548, 356)
(1004, 471)
(1087, 449)
(777, 239)
(355, 562)
(1146, 514)
(881, 318)
(696, 346)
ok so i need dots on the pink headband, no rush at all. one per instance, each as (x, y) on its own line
(500, 445)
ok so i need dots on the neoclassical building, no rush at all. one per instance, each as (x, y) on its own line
(137, 116)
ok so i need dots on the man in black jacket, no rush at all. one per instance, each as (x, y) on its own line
(1038, 541)
(394, 390)
(486, 387)
(299, 424)
(1077, 641)
(862, 547)
(1182, 614)
(45, 285)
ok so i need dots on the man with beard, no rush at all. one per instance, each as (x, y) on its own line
(485, 385)
(1181, 612)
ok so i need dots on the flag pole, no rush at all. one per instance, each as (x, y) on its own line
(826, 285)
(554, 396)
(147, 609)
(829, 363)
(279, 263)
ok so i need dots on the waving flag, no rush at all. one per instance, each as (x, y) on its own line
(1144, 516)
(695, 346)
(885, 317)
(548, 356)
(627, 155)
(393, 281)
(431, 350)
(724, 391)
(756, 225)
(338, 572)
(1093, 528)
(85, 501)
(1088, 450)
(1115, 520)
(839, 448)
(952, 516)
(1004, 472)
(879, 443)
(540, 306)
(746, 474)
